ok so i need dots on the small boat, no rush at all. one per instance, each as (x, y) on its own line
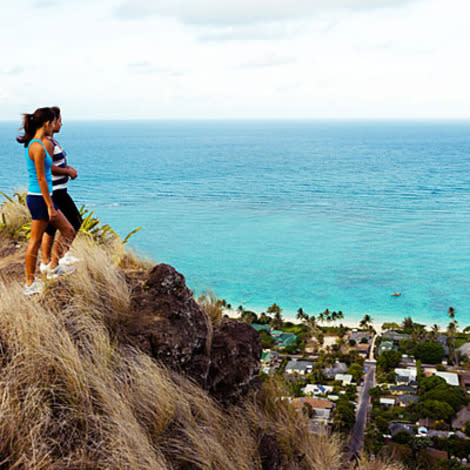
(396, 294)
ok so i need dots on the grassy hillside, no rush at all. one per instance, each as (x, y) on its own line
(76, 395)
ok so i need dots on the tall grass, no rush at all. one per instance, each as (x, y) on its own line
(73, 395)
(15, 219)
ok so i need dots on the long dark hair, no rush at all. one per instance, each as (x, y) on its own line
(33, 122)
(56, 111)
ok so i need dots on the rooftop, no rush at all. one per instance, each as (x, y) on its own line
(315, 403)
(450, 377)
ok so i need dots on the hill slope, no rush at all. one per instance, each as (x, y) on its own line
(117, 367)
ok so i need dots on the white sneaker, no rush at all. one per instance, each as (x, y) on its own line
(68, 259)
(60, 270)
(45, 268)
(35, 288)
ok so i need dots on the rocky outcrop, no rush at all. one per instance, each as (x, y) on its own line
(169, 325)
(269, 452)
(234, 360)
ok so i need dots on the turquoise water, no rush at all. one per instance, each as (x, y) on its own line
(306, 214)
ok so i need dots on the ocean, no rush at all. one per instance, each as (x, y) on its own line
(311, 214)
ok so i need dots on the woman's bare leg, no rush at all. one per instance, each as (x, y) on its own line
(46, 247)
(37, 230)
(62, 244)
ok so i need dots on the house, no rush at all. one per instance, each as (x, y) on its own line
(407, 399)
(450, 377)
(362, 349)
(465, 381)
(338, 368)
(387, 401)
(397, 427)
(405, 376)
(321, 407)
(312, 389)
(259, 327)
(442, 340)
(268, 356)
(464, 349)
(360, 336)
(283, 339)
(386, 346)
(461, 418)
(394, 336)
(345, 379)
(299, 367)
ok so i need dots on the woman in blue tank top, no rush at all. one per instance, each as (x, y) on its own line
(39, 199)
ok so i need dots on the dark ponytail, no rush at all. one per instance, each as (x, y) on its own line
(33, 122)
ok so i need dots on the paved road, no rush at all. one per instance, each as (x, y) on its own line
(357, 434)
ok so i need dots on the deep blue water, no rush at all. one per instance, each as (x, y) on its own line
(311, 214)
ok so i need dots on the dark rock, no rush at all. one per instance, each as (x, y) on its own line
(269, 452)
(169, 325)
(235, 360)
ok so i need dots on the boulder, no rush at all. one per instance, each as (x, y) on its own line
(269, 452)
(234, 361)
(169, 325)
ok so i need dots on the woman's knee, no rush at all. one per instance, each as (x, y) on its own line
(70, 232)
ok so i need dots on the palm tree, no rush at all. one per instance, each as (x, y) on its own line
(327, 315)
(276, 322)
(273, 309)
(334, 317)
(451, 330)
(340, 315)
(366, 321)
(451, 312)
(434, 331)
(301, 315)
(321, 317)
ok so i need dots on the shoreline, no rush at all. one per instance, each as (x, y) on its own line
(377, 320)
(235, 314)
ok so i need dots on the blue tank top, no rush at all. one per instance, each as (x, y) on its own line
(33, 186)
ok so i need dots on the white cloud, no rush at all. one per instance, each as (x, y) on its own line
(231, 12)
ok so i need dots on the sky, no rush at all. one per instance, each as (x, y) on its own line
(236, 59)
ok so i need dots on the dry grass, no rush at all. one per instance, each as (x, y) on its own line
(14, 217)
(209, 303)
(379, 464)
(73, 396)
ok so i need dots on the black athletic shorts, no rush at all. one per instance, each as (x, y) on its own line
(64, 203)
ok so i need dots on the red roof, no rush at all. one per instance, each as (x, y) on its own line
(315, 403)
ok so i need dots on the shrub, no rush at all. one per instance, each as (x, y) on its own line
(428, 352)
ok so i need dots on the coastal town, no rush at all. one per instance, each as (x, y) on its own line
(399, 389)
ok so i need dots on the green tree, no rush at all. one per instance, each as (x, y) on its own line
(356, 371)
(390, 326)
(344, 416)
(427, 352)
(407, 325)
(249, 317)
(263, 319)
(267, 341)
(434, 409)
(445, 393)
(388, 360)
